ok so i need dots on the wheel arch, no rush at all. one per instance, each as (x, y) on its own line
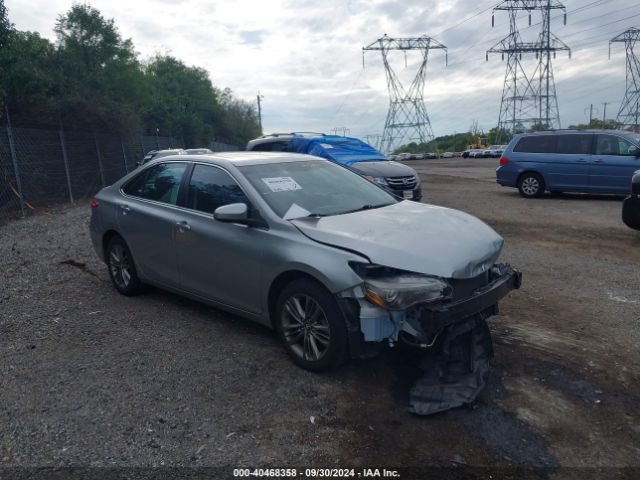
(280, 282)
(531, 170)
(106, 238)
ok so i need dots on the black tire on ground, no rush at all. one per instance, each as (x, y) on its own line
(311, 326)
(531, 185)
(121, 267)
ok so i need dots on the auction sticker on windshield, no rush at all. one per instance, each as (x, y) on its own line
(281, 184)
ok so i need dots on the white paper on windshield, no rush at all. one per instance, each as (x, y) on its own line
(281, 184)
(296, 211)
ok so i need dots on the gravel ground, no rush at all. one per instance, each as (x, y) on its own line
(94, 379)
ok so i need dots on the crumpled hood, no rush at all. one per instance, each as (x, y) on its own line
(412, 236)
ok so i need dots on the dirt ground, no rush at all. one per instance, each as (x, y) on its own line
(91, 378)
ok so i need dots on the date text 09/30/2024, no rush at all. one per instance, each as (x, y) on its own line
(316, 472)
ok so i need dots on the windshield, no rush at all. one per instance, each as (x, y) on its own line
(313, 187)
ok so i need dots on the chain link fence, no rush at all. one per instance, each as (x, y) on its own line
(42, 168)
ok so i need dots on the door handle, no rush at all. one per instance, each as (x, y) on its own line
(183, 226)
(125, 209)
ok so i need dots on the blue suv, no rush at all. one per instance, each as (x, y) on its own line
(570, 161)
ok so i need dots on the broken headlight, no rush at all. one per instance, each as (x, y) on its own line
(394, 289)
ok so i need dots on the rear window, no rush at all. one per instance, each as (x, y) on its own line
(574, 144)
(536, 144)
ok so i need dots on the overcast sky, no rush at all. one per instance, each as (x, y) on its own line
(305, 57)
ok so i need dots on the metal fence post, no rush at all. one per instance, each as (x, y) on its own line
(124, 155)
(14, 159)
(95, 137)
(66, 162)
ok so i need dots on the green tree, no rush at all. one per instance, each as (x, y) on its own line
(5, 25)
(27, 83)
(92, 78)
(183, 101)
(597, 124)
(100, 80)
(499, 137)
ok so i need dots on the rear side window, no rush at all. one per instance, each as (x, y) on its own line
(536, 144)
(211, 187)
(271, 147)
(574, 144)
(613, 145)
(160, 183)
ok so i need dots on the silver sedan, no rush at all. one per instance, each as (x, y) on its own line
(336, 265)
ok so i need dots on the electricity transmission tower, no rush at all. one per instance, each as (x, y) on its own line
(528, 101)
(630, 107)
(407, 118)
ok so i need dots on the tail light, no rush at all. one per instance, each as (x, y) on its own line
(504, 160)
(94, 204)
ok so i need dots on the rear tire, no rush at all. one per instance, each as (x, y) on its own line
(311, 326)
(121, 267)
(531, 185)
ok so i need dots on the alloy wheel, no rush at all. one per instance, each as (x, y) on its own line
(120, 266)
(305, 327)
(530, 186)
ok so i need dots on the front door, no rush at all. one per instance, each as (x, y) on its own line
(217, 260)
(613, 164)
(146, 220)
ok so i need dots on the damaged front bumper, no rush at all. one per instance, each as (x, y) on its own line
(422, 324)
(455, 331)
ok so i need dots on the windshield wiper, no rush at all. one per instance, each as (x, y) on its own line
(366, 207)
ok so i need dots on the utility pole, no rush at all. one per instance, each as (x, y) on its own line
(629, 113)
(407, 118)
(604, 114)
(590, 108)
(259, 98)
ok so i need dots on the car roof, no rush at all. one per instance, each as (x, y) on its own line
(560, 132)
(244, 158)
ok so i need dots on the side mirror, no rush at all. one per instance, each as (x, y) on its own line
(233, 213)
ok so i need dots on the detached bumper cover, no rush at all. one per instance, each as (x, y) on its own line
(504, 279)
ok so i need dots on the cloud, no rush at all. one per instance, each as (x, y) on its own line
(305, 56)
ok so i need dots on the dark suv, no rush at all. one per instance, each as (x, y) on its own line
(396, 178)
(631, 204)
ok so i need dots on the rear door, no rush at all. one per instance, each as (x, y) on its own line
(573, 154)
(554, 157)
(146, 219)
(613, 164)
(217, 260)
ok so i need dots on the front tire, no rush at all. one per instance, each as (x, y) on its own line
(311, 326)
(121, 267)
(531, 185)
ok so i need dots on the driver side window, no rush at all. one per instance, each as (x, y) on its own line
(212, 187)
(614, 145)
